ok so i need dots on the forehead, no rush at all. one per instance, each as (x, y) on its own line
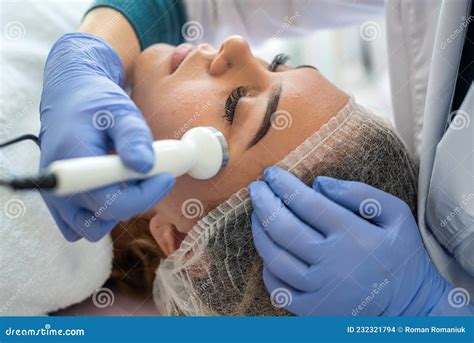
(300, 85)
(300, 101)
(307, 101)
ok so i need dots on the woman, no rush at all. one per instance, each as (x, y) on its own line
(246, 99)
(86, 71)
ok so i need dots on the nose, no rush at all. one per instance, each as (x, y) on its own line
(234, 54)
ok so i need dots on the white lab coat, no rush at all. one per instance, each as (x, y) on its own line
(424, 48)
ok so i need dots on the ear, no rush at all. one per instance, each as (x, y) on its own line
(165, 234)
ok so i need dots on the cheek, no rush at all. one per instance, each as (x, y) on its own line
(189, 200)
(171, 108)
(164, 110)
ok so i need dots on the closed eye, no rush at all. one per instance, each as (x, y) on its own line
(232, 102)
(278, 60)
(281, 59)
(239, 92)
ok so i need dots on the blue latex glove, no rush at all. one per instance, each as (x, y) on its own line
(343, 248)
(85, 112)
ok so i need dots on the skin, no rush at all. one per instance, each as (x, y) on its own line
(195, 95)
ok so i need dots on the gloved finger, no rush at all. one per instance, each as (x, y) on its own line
(122, 202)
(69, 234)
(310, 206)
(282, 226)
(368, 202)
(99, 201)
(86, 224)
(72, 141)
(133, 140)
(140, 197)
(282, 263)
(281, 294)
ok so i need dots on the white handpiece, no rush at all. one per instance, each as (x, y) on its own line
(201, 153)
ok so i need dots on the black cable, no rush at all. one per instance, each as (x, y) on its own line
(41, 182)
(19, 139)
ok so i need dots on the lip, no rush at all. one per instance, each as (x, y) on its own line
(178, 56)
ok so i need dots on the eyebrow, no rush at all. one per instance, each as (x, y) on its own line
(306, 66)
(272, 105)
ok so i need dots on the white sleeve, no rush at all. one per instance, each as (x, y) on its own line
(264, 19)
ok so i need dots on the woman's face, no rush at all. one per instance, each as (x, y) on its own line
(264, 112)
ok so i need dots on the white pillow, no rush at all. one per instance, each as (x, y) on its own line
(40, 272)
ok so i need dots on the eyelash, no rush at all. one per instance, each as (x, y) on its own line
(232, 102)
(278, 60)
(234, 97)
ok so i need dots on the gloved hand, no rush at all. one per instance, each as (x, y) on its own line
(85, 112)
(343, 248)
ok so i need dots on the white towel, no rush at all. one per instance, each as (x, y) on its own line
(40, 272)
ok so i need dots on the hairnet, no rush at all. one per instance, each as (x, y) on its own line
(217, 271)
